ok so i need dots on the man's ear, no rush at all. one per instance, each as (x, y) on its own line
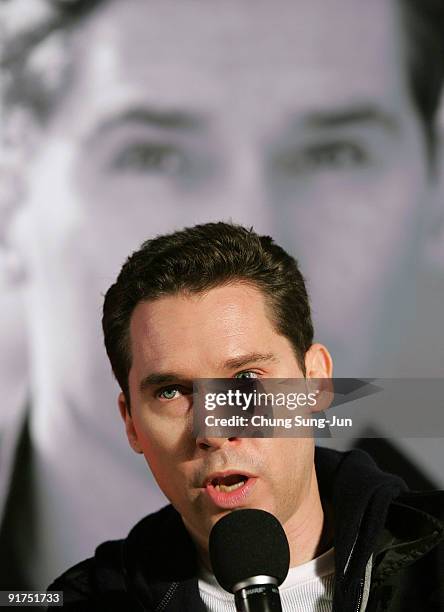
(129, 425)
(318, 362)
(319, 368)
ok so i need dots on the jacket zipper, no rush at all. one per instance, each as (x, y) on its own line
(361, 591)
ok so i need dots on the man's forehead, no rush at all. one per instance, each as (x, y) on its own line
(229, 318)
(174, 28)
(222, 307)
(195, 52)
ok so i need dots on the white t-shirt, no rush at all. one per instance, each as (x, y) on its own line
(307, 588)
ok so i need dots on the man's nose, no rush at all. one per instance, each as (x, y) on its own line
(207, 443)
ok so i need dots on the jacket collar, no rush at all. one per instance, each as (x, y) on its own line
(360, 494)
(161, 563)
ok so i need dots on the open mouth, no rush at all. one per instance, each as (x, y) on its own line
(230, 489)
(226, 484)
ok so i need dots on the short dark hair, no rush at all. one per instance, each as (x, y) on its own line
(424, 42)
(423, 24)
(195, 260)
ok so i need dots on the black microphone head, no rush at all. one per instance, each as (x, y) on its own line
(247, 543)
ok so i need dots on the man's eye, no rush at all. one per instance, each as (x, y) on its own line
(150, 158)
(246, 374)
(327, 156)
(168, 393)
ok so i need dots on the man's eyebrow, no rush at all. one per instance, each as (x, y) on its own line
(155, 117)
(162, 378)
(352, 115)
(243, 360)
(158, 378)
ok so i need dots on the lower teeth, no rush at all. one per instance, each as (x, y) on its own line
(228, 488)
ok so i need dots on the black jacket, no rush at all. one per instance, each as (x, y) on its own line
(154, 568)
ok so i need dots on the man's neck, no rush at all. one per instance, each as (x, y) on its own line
(310, 529)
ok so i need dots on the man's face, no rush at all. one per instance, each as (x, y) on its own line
(292, 116)
(224, 333)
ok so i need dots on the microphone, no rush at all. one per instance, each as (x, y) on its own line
(250, 557)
